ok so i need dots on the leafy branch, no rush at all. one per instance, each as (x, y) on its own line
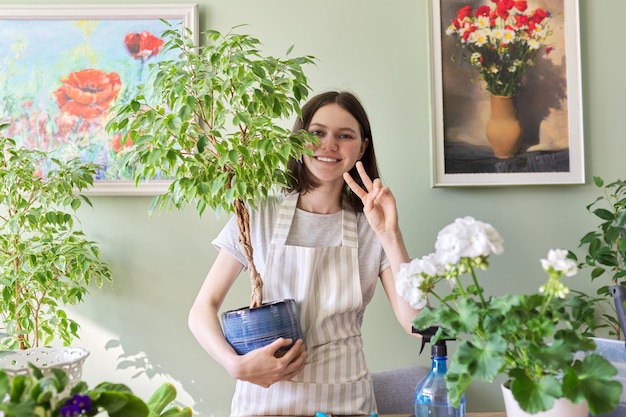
(208, 121)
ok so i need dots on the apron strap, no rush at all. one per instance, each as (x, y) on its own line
(349, 229)
(349, 236)
(285, 217)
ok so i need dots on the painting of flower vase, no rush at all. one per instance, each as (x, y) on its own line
(507, 109)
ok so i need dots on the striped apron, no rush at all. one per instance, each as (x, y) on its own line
(325, 283)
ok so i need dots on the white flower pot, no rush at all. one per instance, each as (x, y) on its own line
(70, 359)
(562, 407)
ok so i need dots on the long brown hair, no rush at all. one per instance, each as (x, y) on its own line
(300, 178)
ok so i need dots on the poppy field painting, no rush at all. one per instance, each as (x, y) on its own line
(62, 68)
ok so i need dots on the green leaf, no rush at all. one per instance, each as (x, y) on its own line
(535, 396)
(595, 384)
(599, 182)
(483, 362)
(161, 398)
(604, 214)
(468, 317)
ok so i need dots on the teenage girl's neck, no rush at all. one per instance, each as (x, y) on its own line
(321, 200)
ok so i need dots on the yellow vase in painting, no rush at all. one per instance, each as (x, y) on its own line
(504, 131)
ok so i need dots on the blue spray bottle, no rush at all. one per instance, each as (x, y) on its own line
(431, 393)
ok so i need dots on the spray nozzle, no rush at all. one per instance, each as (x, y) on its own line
(439, 347)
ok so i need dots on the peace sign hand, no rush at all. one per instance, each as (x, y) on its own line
(379, 204)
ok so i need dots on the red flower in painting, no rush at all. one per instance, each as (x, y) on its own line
(464, 12)
(117, 144)
(502, 40)
(521, 5)
(142, 45)
(483, 11)
(88, 93)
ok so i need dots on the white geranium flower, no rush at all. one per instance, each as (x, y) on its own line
(411, 276)
(558, 261)
(467, 238)
(407, 287)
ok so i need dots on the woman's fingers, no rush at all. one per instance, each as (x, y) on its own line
(356, 188)
(367, 181)
(372, 188)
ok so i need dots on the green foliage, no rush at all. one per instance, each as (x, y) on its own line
(540, 341)
(51, 394)
(208, 120)
(534, 339)
(606, 247)
(46, 262)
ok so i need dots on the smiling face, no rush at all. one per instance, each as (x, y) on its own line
(340, 144)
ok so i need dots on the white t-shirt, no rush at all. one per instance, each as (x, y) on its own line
(310, 230)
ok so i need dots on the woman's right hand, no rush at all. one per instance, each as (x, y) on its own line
(262, 367)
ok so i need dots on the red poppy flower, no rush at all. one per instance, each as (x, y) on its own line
(468, 31)
(521, 5)
(521, 20)
(88, 93)
(465, 11)
(483, 11)
(539, 15)
(117, 142)
(503, 7)
(142, 45)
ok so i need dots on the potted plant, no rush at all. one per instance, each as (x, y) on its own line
(606, 250)
(46, 262)
(47, 395)
(210, 122)
(537, 340)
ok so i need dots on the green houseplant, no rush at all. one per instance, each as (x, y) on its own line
(46, 262)
(210, 122)
(606, 249)
(539, 341)
(46, 395)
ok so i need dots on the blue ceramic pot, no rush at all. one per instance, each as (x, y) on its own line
(247, 328)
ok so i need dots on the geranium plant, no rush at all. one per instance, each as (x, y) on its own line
(539, 340)
(503, 40)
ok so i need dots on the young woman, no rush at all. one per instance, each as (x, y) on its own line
(337, 235)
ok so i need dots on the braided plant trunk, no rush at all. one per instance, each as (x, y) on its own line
(256, 282)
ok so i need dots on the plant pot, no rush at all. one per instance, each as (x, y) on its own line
(247, 328)
(562, 407)
(70, 359)
(613, 350)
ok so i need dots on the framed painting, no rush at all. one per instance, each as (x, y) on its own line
(506, 92)
(62, 67)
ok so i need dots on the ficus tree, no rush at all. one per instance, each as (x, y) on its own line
(46, 260)
(605, 247)
(210, 120)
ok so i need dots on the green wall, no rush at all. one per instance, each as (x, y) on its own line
(136, 330)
